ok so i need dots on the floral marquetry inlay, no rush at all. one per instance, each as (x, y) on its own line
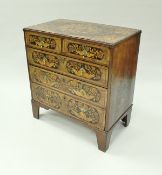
(85, 91)
(42, 42)
(85, 51)
(65, 84)
(84, 111)
(68, 66)
(45, 59)
(46, 96)
(66, 104)
(83, 70)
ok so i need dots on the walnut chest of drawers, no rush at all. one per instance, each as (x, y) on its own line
(83, 70)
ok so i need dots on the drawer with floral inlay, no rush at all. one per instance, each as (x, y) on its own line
(42, 41)
(92, 73)
(87, 52)
(78, 89)
(85, 112)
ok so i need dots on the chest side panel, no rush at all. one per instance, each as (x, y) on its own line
(122, 78)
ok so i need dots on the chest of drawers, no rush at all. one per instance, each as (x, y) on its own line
(83, 70)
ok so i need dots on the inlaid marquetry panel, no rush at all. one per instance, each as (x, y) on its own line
(43, 42)
(70, 106)
(87, 52)
(68, 85)
(82, 70)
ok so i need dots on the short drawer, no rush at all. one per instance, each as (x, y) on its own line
(87, 92)
(88, 52)
(92, 73)
(55, 100)
(43, 42)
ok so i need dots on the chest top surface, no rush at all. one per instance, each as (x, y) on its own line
(100, 33)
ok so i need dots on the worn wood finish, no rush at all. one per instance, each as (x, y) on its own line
(122, 77)
(103, 139)
(85, 71)
(95, 33)
(35, 109)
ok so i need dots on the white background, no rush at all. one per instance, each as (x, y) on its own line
(54, 144)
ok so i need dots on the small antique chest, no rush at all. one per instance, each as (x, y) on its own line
(83, 70)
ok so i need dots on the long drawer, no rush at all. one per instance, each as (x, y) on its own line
(92, 115)
(92, 73)
(76, 88)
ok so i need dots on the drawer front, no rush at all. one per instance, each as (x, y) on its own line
(43, 42)
(92, 115)
(92, 73)
(85, 91)
(87, 52)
